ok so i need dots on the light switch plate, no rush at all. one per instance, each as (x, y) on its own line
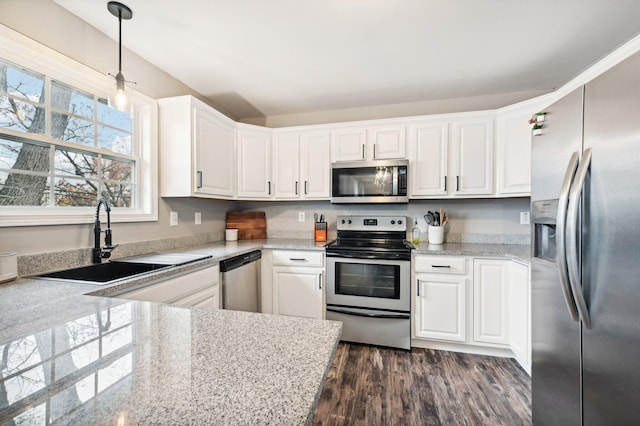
(173, 219)
(198, 218)
(300, 216)
(525, 218)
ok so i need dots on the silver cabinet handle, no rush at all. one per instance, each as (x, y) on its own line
(296, 187)
(457, 183)
(441, 266)
(305, 188)
(374, 151)
(269, 188)
(561, 223)
(445, 184)
(199, 174)
(418, 287)
(320, 281)
(297, 259)
(573, 261)
(363, 157)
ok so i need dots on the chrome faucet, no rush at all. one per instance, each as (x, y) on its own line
(99, 253)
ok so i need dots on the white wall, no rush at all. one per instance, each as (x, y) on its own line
(486, 216)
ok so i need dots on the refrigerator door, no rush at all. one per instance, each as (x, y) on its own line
(556, 357)
(611, 247)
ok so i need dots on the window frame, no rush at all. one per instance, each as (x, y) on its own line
(23, 51)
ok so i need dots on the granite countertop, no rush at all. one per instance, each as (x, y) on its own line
(87, 359)
(517, 252)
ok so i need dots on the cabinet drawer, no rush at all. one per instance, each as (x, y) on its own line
(298, 258)
(441, 264)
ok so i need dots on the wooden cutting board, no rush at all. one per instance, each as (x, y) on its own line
(250, 225)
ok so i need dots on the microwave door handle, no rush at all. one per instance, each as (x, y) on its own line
(573, 227)
(561, 223)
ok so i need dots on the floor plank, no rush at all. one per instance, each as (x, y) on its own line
(368, 385)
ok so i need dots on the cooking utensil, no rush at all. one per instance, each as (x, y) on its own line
(430, 218)
(442, 215)
(437, 219)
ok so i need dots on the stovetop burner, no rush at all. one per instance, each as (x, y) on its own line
(381, 237)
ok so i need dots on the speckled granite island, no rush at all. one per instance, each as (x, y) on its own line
(70, 358)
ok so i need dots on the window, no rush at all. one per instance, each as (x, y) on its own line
(62, 147)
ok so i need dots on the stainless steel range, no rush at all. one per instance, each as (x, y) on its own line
(368, 280)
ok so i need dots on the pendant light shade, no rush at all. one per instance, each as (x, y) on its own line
(120, 99)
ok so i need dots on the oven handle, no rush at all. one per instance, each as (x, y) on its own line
(369, 256)
(347, 311)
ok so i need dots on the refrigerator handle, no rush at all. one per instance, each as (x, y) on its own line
(561, 222)
(572, 233)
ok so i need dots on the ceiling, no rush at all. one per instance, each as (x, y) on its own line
(258, 58)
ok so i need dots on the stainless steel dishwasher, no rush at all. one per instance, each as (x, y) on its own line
(240, 277)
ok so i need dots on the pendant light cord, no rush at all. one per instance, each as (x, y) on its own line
(120, 40)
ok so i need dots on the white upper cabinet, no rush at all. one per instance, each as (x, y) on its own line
(254, 163)
(286, 165)
(301, 165)
(197, 150)
(315, 165)
(429, 156)
(451, 158)
(513, 147)
(369, 143)
(472, 156)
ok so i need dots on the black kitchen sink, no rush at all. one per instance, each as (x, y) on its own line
(102, 273)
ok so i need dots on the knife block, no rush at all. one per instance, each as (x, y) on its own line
(320, 231)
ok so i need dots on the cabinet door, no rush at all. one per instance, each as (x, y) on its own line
(214, 155)
(519, 313)
(315, 165)
(298, 292)
(473, 157)
(441, 307)
(387, 142)
(254, 161)
(513, 148)
(349, 144)
(286, 166)
(490, 297)
(429, 153)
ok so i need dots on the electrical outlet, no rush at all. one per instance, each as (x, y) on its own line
(198, 218)
(173, 219)
(300, 216)
(525, 218)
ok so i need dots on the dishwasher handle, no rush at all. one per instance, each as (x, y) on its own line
(239, 261)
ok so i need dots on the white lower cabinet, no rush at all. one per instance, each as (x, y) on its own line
(490, 301)
(293, 283)
(441, 295)
(297, 291)
(199, 288)
(477, 305)
(519, 314)
(441, 307)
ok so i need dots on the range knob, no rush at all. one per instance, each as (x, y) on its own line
(343, 221)
(393, 222)
(349, 221)
(400, 222)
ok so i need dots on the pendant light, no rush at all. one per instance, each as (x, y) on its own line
(120, 97)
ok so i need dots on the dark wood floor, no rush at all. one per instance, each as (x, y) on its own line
(375, 386)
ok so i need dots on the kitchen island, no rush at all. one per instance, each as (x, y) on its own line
(78, 359)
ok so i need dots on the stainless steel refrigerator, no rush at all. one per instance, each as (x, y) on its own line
(585, 205)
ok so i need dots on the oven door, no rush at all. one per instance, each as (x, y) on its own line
(369, 283)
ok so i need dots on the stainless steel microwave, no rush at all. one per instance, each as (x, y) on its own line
(380, 181)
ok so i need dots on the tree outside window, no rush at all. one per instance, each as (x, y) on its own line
(60, 146)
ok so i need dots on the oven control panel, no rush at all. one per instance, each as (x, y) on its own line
(372, 223)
